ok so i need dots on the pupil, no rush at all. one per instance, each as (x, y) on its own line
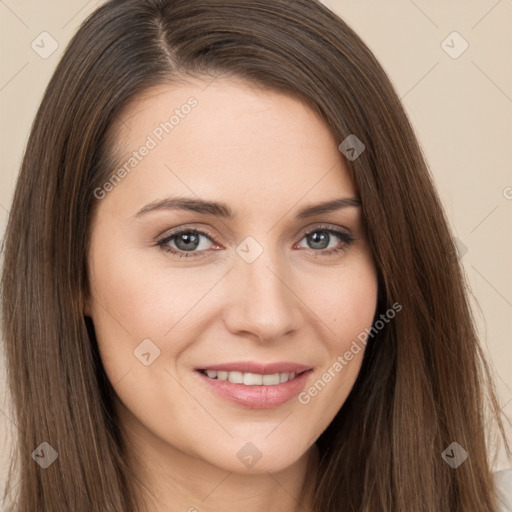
(318, 240)
(187, 241)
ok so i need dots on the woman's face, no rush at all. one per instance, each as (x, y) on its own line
(235, 280)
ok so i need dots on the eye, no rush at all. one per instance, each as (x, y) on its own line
(185, 241)
(322, 240)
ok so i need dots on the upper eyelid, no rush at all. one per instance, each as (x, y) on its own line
(186, 229)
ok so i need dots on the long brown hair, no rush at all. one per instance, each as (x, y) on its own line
(424, 382)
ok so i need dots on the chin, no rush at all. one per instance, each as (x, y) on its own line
(258, 456)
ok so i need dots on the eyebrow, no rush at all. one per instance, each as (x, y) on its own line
(224, 211)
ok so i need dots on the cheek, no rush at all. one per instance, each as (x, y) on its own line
(347, 301)
(346, 307)
(136, 298)
(354, 311)
(355, 306)
(144, 298)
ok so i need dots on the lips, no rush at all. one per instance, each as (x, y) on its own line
(255, 385)
(259, 368)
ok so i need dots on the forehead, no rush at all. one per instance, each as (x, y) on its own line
(227, 137)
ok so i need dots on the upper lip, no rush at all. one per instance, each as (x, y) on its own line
(259, 368)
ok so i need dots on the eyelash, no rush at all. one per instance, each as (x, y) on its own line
(345, 238)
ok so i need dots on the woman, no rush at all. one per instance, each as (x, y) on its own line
(228, 279)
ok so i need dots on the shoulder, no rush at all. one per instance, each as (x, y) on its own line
(503, 481)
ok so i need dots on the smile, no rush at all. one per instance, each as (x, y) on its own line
(264, 387)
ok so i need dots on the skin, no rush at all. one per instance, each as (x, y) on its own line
(266, 155)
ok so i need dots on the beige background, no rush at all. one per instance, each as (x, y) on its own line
(461, 109)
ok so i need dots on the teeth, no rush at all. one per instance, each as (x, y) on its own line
(236, 377)
(271, 380)
(251, 379)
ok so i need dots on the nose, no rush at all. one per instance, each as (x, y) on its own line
(262, 300)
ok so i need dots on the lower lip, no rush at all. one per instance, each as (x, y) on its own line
(257, 397)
